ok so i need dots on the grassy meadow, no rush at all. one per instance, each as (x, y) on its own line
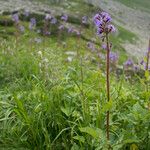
(53, 87)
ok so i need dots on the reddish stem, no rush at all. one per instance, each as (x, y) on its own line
(107, 84)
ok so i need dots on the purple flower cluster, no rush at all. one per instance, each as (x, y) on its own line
(128, 63)
(91, 46)
(26, 13)
(32, 23)
(48, 16)
(21, 28)
(70, 29)
(113, 57)
(103, 23)
(143, 65)
(64, 17)
(15, 17)
(84, 20)
(53, 20)
(61, 27)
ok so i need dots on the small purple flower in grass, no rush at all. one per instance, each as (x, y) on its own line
(32, 23)
(47, 33)
(142, 62)
(104, 46)
(84, 19)
(128, 63)
(113, 57)
(91, 46)
(15, 17)
(77, 32)
(21, 28)
(26, 13)
(48, 16)
(53, 20)
(70, 30)
(64, 18)
(61, 27)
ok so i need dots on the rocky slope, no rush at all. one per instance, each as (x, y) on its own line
(132, 19)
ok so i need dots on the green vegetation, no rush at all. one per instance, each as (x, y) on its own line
(46, 104)
(138, 4)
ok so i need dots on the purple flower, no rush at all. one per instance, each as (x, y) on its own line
(142, 62)
(104, 46)
(102, 23)
(64, 18)
(113, 57)
(21, 28)
(70, 30)
(111, 28)
(32, 23)
(77, 32)
(106, 17)
(48, 16)
(98, 20)
(53, 20)
(84, 19)
(136, 67)
(128, 63)
(26, 13)
(47, 33)
(91, 46)
(61, 27)
(15, 17)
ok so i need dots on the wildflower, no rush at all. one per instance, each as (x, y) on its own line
(47, 33)
(84, 19)
(21, 28)
(91, 46)
(61, 27)
(129, 62)
(26, 13)
(77, 32)
(70, 30)
(104, 46)
(32, 23)
(64, 18)
(102, 22)
(113, 57)
(15, 17)
(48, 16)
(53, 20)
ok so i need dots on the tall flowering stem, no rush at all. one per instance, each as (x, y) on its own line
(104, 28)
(107, 82)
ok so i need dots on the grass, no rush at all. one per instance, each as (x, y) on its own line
(138, 4)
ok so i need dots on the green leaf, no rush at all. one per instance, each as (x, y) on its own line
(79, 138)
(107, 106)
(94, 132)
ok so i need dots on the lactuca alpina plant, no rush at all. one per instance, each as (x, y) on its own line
(104, 27)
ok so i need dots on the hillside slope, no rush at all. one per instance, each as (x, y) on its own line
(135, 19)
